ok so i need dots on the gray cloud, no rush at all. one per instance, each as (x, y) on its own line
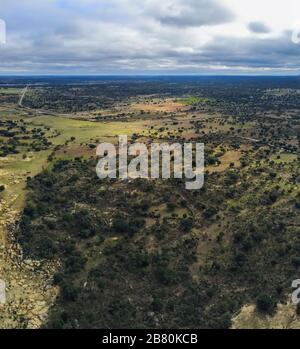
(191, 13)
(259, 27)
(132, 36)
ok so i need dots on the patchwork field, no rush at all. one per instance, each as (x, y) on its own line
(160, 106)
(154, 253)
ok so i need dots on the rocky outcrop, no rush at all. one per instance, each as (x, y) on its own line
(26, 291)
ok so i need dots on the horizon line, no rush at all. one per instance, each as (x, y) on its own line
(147, 75)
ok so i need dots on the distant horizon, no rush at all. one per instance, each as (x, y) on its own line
(149, 75)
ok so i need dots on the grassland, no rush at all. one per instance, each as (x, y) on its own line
(85, 131)
(10, 91)
(191, 100)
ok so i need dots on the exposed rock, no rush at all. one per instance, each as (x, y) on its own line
(249, 318)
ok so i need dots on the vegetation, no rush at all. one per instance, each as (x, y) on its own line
(112, 260)
(150, 253)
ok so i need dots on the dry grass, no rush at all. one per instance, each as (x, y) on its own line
(231, 157)
(162, 106)
(249, 318)
(75, 151)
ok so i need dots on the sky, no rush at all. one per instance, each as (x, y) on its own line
(112, 37)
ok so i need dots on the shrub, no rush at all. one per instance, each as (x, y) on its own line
(46, 247)
(296, 261)
(210, 212)
(186, 224)
(69, 293)
(171, 206)
(58, 278)
(265, 304)
(30, 210)
(120, 225)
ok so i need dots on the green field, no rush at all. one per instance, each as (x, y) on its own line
(85, 131)
(10, 91)
(195, 100)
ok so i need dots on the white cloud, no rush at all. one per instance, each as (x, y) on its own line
(188, 13)
(108, 36)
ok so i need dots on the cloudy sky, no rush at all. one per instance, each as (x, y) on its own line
(150, 37)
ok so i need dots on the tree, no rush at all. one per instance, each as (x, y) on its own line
(186, 224)
(69, 292)
(265, 304)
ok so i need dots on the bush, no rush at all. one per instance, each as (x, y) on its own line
(2, 188)
(69, 293)
(210, 212)
(171, 206)
(58, 278)
(231, 178)
(120, 225)
(145, 205)
(296, 261)
(265, 304)
(46, 247)
(30, 210)
(166, 276)
(186, 224)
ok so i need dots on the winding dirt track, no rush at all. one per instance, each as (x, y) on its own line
(20, 103)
